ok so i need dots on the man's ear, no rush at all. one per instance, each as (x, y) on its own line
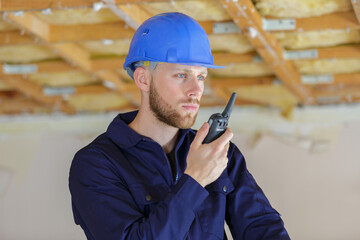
(142, 79)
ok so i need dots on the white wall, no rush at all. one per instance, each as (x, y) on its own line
(317, 192)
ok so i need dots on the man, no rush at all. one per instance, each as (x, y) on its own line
(149, 176)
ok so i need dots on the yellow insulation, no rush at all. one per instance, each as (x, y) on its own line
(25, 53)
(253, 69)
(63, 79)
(78, 16)
(97, 102)
(117, 47)
(329, 66)
(203, 10)
(301, 8)
(236, 43)
(324, 38)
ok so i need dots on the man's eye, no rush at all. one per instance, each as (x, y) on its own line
(181, 75)
(202, 78)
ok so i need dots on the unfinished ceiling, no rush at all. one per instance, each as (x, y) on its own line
(67, 55)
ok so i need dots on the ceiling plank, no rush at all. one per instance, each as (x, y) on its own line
(339, 52)
(77, 32)
(28, 22)
(228, 58)
(86, 32)
(224, 93)
(71, 52)
(133, 14)
(107, 63)
(74, 54)
(237, 82)
(35, 91)
(15, 37)
(21, 104)
(11, 5)
(112, 79)
(249, 20)
(338, 94)
(356, 8)
(93, 89)
(18, 5)
(341, 20)
(347, 79)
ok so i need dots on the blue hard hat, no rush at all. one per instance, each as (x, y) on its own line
(172, 38)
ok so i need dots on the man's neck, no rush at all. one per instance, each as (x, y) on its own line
(148, 125)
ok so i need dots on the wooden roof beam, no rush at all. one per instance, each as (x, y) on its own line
(133, 14)
(71, 52)
(356, 8)
(249, 20)
(61, 33)
(339, 80)
(341, 20)
(237, 82)
(36, 92)
(326, 95)
(18, 5)
(86, 32)
(21, 104)
(31, 24)
(15, 37)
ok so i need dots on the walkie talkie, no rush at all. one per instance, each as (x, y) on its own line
(218, 121)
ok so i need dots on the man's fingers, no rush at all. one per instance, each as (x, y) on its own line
(201, 134)
(225, 138)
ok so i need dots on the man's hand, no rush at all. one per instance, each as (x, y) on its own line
(206, 162)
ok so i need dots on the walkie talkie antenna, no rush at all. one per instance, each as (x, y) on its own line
(227, 111)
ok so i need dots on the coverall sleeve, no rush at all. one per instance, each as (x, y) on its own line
(105, 208)
(249, 214)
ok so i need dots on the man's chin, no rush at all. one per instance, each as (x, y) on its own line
(188, 121)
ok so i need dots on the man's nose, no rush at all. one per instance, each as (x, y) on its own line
(196, 87)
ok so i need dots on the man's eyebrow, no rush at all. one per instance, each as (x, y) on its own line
(188, 71)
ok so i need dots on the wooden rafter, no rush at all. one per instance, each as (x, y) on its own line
(228, 58)
(19, 104)
(36, 92)
(356, 8)
(340, 80)
(249, 20)
(15, 37)
(71, 52)
(339, 52)
(347, 79)
(342, 20)
(85, 32)
(74, 54)
(224, 93)
(236, 82)
(18, 5)
(340, 94)
(107, 63)
(132, 14)
(60, 33)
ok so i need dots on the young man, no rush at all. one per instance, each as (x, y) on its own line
(151, 177)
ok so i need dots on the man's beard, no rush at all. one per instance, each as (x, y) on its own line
(167, 114)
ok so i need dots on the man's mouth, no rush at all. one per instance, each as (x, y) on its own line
(191, 107)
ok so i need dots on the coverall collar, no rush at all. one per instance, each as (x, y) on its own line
(124, 136)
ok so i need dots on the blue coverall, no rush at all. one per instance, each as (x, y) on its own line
(122, 187)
